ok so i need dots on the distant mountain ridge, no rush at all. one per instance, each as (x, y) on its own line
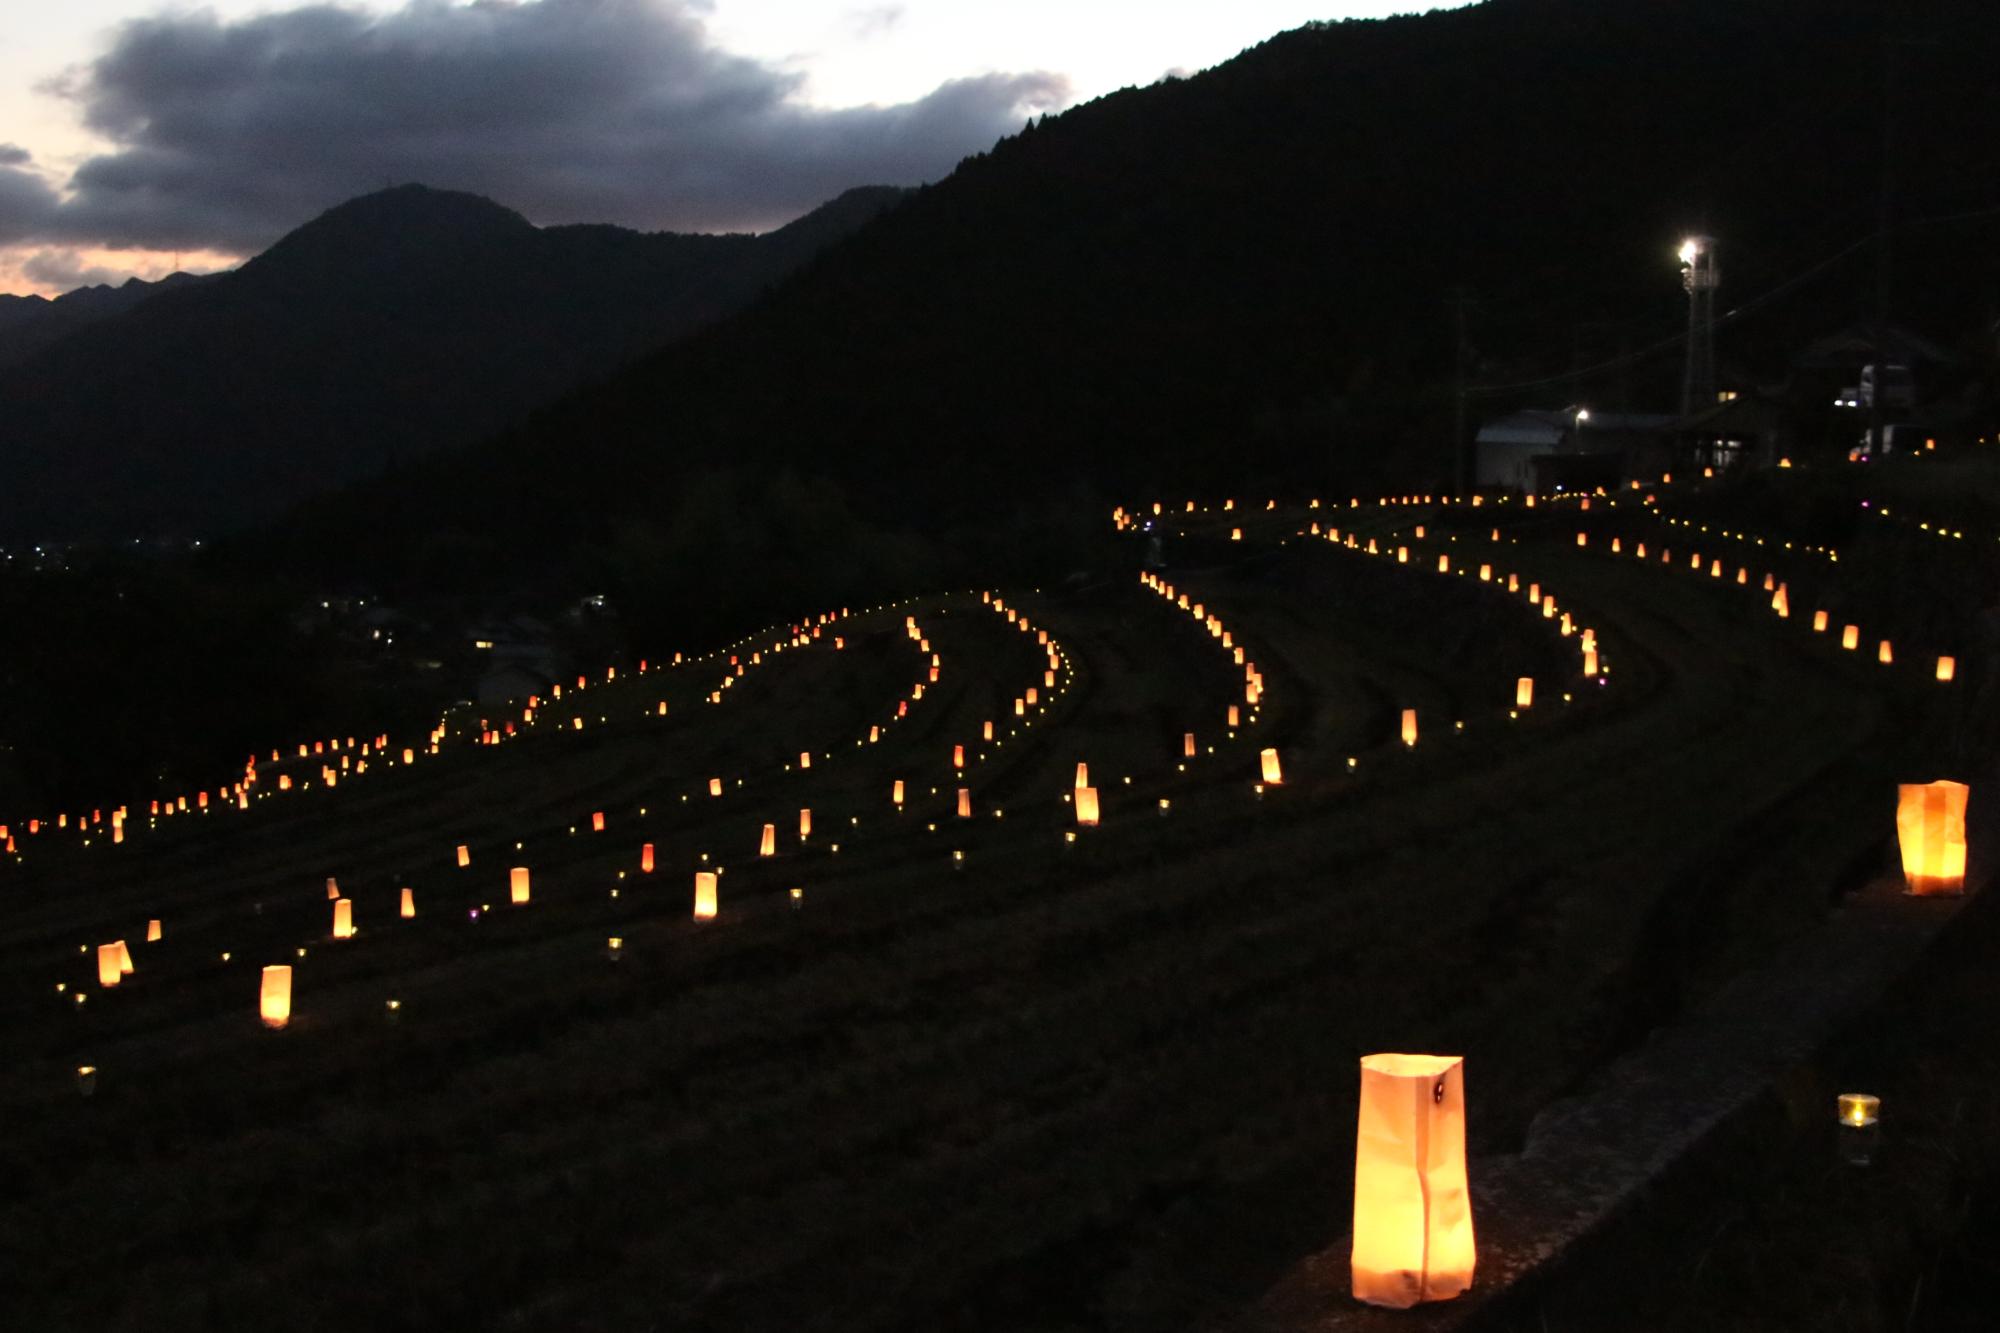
(393, 325)
(30, 323)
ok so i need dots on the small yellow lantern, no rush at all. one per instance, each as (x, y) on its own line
(343, 918)
(1930, 828)
(704, 895)
(274, 996)
(958, 756)
(109, 966)
(964, 803)
(805, 824)
(896, 793)
(153, 931)
(1082, 775)
(464, 856)
(1883, 653)
(1524, 692)
(768, 845)
(1947, 668)
(1819, 622)
(715, 786)
(1086, 807)
(1850, 637)
(517, 884)
(1273, 775)
(1232, 715)
(1410, 727)
(409, 904)
(597, 821)
(332, 888)
(1412, 1206)
(1187, 745)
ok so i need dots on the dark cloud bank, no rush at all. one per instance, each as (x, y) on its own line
(230, 133)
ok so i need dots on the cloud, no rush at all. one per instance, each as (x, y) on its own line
(873, 20)
(27, 201)
(66, 270)
(228, 133)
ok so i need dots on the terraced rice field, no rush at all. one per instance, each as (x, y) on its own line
(925, 1070)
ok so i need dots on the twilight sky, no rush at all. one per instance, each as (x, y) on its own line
(131, 130)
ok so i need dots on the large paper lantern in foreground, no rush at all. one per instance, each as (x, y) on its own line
(1930, 827)
(274, 999)
(1412, 1208)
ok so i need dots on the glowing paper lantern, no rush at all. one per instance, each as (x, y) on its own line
(1409, 726)
(343, 918)
(409, 904)
(768, 844)
(1524, 692)
(1086, 807)
(274, 996)
(1819, 622)
(464, 856)
(517, 884)
(715, 786)
(704, 895)
(1082, 775)
(805, 759)
(1273, 775)
(965, 803)
(646, 859)
(1187, 745)
(110, 968)
(1947, 667)
(896, 793)
(1412, 1206)
(1884, 654)
(958, 756)
(1930, 828)
(1850, 637)
(153, 931)
(805, 824)
(1232, 715)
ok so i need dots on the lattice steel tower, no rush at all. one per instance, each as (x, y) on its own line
(1700, 276)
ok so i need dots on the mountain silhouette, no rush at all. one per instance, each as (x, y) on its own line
(391, 326)
(30, 323)
(1239, 281)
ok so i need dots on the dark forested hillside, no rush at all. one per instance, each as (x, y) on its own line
(1251, 274)
(393, 325)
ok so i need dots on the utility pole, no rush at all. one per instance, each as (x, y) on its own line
(1701, 276)
(1461, 446)
(1885, 252)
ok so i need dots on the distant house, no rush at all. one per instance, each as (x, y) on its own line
(1544, 450)
(1739, 433)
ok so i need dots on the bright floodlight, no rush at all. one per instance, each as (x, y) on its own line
(1583, 414)
(1690, 249)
